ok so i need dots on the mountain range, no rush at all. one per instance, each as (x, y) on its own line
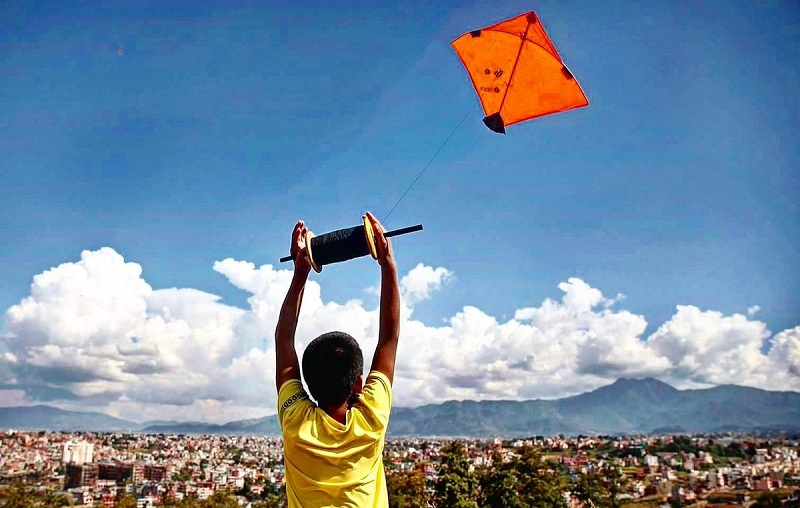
(627, 406)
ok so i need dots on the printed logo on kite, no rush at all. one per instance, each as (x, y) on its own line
(535, 80)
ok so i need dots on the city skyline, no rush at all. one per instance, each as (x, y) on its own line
(651, 470)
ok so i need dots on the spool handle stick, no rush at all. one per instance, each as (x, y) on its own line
(402, 231)
(388, 234)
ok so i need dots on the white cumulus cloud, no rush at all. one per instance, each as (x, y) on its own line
(421, 281)
(94, 334)
(709, 347)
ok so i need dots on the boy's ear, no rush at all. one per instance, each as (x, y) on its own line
(357, 388)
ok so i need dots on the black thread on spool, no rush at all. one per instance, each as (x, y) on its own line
(339, 245)
(349, 235)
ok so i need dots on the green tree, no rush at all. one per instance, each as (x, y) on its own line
(56, 500)
(456, 486)
(17, 495)
(406, 489)
(125, 501)
(499, 487)
(521, 482)
(191, 502)
(184, 475)
(591, 488)
(734, 449)
(220, 500)
(541, 485)
(769, 500)
(614, 481)
(273, 496)
(273, 501)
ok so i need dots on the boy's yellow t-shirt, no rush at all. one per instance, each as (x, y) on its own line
(330, 464)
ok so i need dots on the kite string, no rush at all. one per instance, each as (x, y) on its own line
(419, 175)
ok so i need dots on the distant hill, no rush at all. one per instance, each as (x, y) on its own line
(50, 418)
(626, 406)
(267, 426)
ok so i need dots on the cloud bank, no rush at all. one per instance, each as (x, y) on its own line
(93, 334)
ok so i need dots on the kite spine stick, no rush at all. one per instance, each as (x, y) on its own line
(514, 69)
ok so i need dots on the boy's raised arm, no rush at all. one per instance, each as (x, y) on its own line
(389, 326)
(286, 364)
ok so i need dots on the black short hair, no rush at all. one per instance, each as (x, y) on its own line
(332, 364)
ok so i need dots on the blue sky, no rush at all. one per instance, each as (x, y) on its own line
(184, 135)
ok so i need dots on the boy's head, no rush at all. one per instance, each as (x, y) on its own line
(332, 367)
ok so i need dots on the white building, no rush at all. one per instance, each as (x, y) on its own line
(204, 493)
(715, 480)
(145, 502)
(236, 483)
(77, 452)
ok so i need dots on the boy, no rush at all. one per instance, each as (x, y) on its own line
(333, 449)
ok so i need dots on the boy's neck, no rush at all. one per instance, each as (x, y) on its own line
(338, 413)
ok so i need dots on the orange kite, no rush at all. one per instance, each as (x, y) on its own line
(517, 72)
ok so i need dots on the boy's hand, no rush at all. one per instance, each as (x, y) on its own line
(299, 250)
(385, 253)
